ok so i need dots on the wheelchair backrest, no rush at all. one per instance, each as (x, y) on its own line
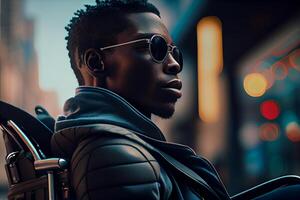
(35, 130)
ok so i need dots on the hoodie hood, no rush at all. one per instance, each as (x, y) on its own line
(92, 105)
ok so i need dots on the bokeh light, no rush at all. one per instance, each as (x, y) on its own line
(294, 59)
(254, 161)
(270, 109)
(249, 135)
(269, 131)
(210, 65)
(280, 70)
(210, 45)
(293, 131)
(255, 84)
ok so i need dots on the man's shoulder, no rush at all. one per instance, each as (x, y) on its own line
(84, 131)
(104, 137)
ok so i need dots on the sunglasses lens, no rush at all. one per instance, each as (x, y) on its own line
(177, 55)
(159, 48)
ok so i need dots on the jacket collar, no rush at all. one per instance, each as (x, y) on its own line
(93, 105)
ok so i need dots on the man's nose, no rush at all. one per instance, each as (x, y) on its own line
(171, 66)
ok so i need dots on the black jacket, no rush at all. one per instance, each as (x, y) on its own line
(118, 153)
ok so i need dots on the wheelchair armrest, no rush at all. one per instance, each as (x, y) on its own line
(51, 164)
(267, 187)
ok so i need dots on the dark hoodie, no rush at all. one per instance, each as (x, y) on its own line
(93, 105)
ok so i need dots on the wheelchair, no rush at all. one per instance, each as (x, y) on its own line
(33, 172)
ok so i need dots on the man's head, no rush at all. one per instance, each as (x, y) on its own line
(130, 70)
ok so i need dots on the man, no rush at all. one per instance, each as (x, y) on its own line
(127, 67)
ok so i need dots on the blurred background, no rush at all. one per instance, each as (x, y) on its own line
(241, 95)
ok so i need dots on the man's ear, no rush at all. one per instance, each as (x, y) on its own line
(93, 59)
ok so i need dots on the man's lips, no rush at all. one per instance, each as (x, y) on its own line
(174, 83)
(173, 87)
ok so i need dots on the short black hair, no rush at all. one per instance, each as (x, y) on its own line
(89, 28)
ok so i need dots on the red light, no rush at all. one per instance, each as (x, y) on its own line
(270, 109)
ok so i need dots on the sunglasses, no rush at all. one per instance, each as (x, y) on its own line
(158, 48)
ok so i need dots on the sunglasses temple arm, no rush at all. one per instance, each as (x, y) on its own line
(125, 43)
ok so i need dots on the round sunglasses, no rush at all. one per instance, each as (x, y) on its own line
(158, 48)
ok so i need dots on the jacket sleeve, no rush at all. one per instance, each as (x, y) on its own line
(114, 168)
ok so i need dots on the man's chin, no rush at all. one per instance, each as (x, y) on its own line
(166, 111)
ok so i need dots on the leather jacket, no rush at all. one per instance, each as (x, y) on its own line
(117, 153)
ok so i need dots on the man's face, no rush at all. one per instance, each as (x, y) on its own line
(132, 73)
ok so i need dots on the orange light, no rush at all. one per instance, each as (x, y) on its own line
(255, 84)
(269, 131)
(210, 64)
(293, 131)
(210, 47)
